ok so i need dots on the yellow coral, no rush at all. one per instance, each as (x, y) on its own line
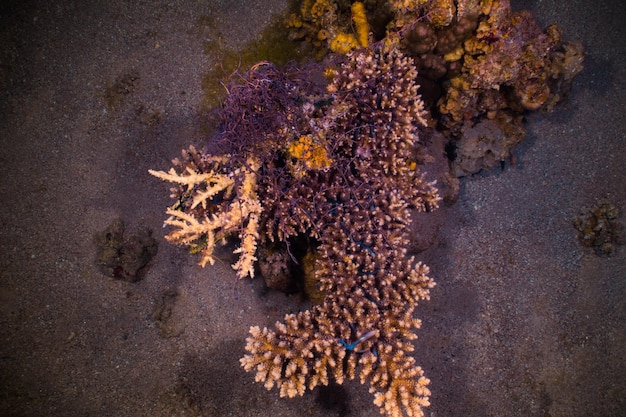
(441, 12)
(454, 55)
(313, 155)
(345, 42)
(294, 21)
(319, 8)
(402, 6)
(486, 6)
(330, 72)
(360, 22)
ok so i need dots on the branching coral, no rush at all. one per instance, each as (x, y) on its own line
(364, 325)
(213, 204)
(334, 161)
(491, 64)
(344, 176)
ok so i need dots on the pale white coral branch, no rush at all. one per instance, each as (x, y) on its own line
(241, 214)
(209, 184)
(190, 230)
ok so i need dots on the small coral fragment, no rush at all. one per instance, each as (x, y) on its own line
(124, 257)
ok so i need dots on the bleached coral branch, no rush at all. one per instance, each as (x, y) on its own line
(210, 183)
(230, 214)
(248, 207)
(191, 230)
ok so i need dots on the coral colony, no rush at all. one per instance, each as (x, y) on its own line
(326, 157)
(486, 64)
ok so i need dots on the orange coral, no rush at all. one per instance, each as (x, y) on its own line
(343, 43)
(310, 155)
(360, 22)
(313, 155)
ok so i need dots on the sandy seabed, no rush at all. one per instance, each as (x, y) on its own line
(524, 321)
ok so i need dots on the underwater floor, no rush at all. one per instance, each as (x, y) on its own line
(524, 321)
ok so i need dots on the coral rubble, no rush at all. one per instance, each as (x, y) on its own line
(338, 167)
(599, 227)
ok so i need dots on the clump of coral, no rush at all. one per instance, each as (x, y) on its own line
(319, 169)
(599, 227)
(486, 64)
(338, 169)
(214, 202)
(497, 65)
(364, 325)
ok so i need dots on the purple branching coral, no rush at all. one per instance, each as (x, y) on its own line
(329, 159)
(336, 166)
(357, 209)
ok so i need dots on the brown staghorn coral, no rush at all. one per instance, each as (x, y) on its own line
(334, 172)
(339, 168)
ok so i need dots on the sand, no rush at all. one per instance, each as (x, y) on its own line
(524, 321)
